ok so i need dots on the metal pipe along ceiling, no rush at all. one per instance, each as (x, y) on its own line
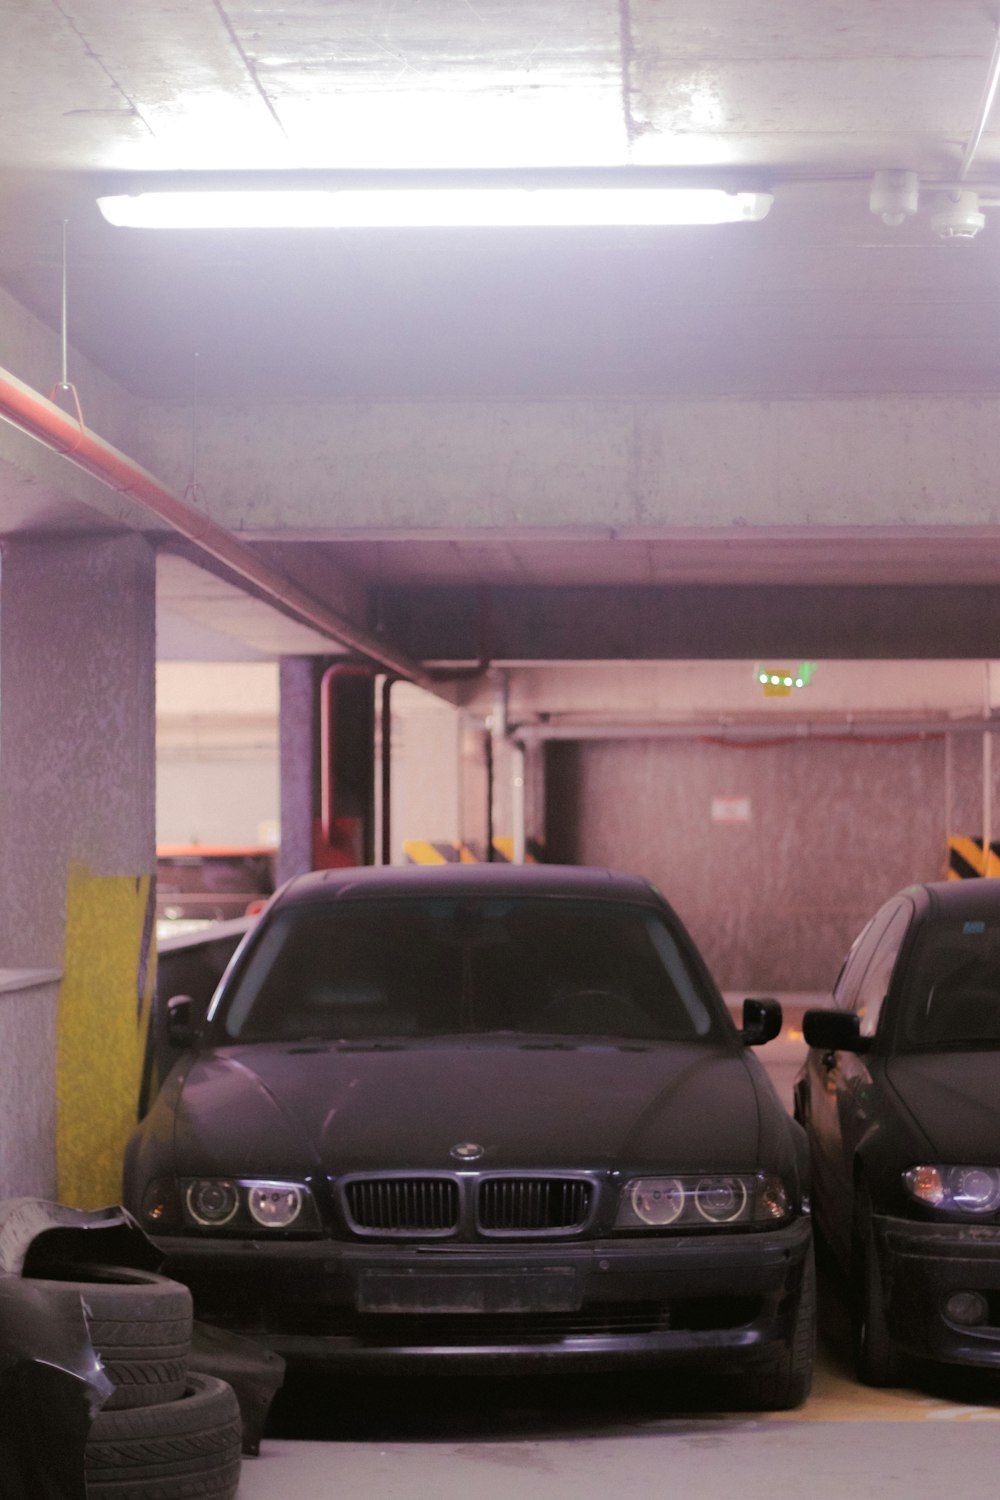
(749, 733)
(49, 424)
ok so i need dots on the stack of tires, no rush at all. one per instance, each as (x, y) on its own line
(165, 1433)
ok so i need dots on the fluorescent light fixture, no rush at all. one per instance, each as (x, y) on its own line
(432, 207)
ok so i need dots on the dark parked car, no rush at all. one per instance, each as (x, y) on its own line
(188, 963)
(490, 1115)
(899, 1096)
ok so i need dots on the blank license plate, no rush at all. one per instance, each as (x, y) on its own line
(454, 1292)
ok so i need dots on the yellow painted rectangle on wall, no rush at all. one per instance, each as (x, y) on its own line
(104, 1008)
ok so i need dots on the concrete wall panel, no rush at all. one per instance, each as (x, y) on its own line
(832, 829)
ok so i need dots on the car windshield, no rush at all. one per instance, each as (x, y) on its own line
(952, 986)
(429, 967)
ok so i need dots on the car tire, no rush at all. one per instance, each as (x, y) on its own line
(188, 1449)
(876, 1358)
(140, 1326)
(787, 1384)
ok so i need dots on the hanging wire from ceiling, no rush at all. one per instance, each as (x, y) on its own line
(64, 385)
(985, 109)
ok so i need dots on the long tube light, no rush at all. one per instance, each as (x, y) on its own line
(433, 207)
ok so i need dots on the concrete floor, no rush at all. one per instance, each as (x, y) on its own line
(641, 1437)
(706, 1461)
(532, 1440)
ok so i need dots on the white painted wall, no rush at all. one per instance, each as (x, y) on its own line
(217, 753)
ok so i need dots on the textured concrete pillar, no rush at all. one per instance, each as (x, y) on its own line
(77, 836)
(298, 685)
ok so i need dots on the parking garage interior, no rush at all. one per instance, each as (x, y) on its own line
(572, 497)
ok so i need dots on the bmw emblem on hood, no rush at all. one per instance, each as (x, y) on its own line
(466, 1151)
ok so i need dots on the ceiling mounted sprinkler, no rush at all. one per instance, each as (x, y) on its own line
(957, 214)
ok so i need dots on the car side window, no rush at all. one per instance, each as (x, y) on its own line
(870, 994)
(853, 968)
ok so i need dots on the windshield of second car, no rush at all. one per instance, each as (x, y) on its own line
(952, 986)
(435, 967)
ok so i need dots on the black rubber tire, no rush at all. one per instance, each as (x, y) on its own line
(787, 1384)
(183, 1450)
(140, 1325)
(876, 1357)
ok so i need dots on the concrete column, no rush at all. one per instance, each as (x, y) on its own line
(298, 686)
(77, 837)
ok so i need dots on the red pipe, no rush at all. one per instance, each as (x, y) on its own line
(49, 424)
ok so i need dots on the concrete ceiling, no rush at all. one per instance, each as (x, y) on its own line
(821, 298)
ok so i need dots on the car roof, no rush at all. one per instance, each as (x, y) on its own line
(466, 880)
(945, 899)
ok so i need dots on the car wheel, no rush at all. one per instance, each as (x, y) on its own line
(183, 1450)
(140, 1325)
(876, 1357)
(787, 1384)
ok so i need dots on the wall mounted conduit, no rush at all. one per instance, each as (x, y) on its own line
(41, 419)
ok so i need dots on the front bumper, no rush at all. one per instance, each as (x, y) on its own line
(922, 1264)
(728, 1301)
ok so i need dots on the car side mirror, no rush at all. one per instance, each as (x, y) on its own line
(761, 1022)
(834, 1031)
(181, 1029)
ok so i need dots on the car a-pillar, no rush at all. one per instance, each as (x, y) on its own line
(77, 831)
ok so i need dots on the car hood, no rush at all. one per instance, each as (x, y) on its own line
(279, 1110)
(952, 1097)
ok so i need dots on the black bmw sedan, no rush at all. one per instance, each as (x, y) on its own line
(482, 1115)
(900, 1096)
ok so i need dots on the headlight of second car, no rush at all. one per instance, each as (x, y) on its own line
(963, 1190)
(240, 1205)
(707, 1200)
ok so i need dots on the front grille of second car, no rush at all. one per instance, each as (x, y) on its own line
(404, 1205)
(525, 1204)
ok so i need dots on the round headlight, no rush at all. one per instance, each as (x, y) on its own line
(720, 1199)
(212, 1201)
(275, 1205)
(657, 1200)
(976, 1190)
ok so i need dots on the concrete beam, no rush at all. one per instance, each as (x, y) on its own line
(39, 490)
(326, 470)
(694, 623)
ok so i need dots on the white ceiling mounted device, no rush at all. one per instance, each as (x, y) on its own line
(895, 195)
(956, 214)
(433, 205)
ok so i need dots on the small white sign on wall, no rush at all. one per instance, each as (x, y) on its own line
(730, 809)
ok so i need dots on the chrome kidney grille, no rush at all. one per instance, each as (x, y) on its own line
(526, 1205)
(440, 1205)
(403, 1205)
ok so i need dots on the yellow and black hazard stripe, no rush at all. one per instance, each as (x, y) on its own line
(454, 852)
(966, 861)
